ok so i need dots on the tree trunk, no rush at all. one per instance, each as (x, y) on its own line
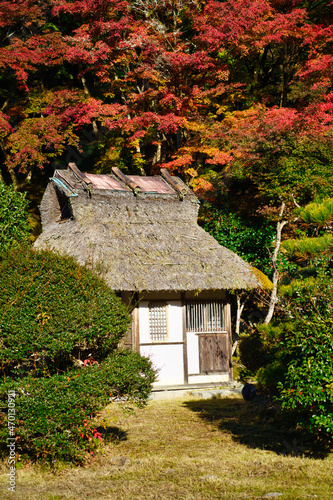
(158, 153)
(87, 93)
(273, 299)
(16, 183)
(240, 308)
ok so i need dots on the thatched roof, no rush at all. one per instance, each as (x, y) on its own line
(138, 233)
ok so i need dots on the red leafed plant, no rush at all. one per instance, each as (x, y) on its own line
(154, 83)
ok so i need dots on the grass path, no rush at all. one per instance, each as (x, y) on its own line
(193, 450)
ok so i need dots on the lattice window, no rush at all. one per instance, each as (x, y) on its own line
(158, 327)
(205, 316)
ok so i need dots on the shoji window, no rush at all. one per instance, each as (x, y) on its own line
(158, 321)
(205, 316)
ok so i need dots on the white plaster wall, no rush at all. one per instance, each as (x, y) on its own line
(168, 360)
(192, 353)
(175, 323)
(144, 323)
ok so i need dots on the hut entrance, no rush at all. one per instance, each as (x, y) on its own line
(64, 206)
(213, 353)
(206, 318)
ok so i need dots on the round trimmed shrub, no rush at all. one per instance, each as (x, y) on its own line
(54, 314)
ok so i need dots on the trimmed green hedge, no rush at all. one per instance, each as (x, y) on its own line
(54, 314)
(54, 416)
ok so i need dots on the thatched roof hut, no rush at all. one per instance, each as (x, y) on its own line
(139, 233)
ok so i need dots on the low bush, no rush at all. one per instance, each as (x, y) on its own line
(307, 390)
(253, 354)
(268, 377)
(54, 417)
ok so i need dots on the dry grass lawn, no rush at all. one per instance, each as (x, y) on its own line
(193, 450)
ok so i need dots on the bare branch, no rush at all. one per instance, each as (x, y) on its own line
(276, 277)
(295, 202)
(240, 307)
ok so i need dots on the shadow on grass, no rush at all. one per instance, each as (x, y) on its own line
(112, 434)
(257, 424)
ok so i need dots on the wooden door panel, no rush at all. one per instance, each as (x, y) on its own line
(213, 353)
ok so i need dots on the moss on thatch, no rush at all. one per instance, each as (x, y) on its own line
(266, 283)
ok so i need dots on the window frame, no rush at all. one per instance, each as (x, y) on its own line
(155, 304)
(198, 320)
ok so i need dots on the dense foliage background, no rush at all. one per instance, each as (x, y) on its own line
(14, 221)
(235, 96)
(223, 92)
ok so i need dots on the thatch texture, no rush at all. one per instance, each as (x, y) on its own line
(149, 241)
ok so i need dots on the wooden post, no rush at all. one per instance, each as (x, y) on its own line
(184, 338)
(135, 322)
(228, 328)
